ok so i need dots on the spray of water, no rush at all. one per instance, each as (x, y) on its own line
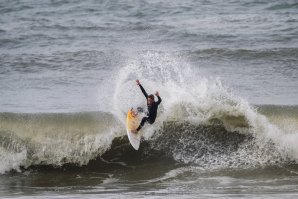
(189, 98)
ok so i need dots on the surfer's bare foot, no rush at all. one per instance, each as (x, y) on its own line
(134, 131)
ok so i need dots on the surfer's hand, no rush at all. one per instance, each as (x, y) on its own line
(138, 82)
(157, 93)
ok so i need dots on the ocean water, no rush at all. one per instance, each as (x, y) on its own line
(227, 72)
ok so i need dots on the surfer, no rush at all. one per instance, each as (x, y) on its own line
(152, 107)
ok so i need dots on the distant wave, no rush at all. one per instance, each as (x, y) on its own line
(284, 5)
(250, 54)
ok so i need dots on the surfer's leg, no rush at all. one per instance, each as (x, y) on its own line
(142, 123)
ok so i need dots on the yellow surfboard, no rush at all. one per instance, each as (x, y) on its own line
(132, 123)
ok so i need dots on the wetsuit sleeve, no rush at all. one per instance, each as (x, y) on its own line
(159, 100)
(143, 91)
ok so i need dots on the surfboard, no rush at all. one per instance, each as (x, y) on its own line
(132, 123)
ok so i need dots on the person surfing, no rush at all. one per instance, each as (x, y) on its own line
(152, 106)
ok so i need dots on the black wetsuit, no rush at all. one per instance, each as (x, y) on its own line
(152, 110)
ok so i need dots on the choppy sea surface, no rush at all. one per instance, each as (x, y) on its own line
(227, 72)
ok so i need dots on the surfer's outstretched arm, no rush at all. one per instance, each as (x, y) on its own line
(142, 89)
(158, 97)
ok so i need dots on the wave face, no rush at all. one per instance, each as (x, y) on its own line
(54, 139)
(199, 122)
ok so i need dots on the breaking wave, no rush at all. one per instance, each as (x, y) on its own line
(199, 122)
